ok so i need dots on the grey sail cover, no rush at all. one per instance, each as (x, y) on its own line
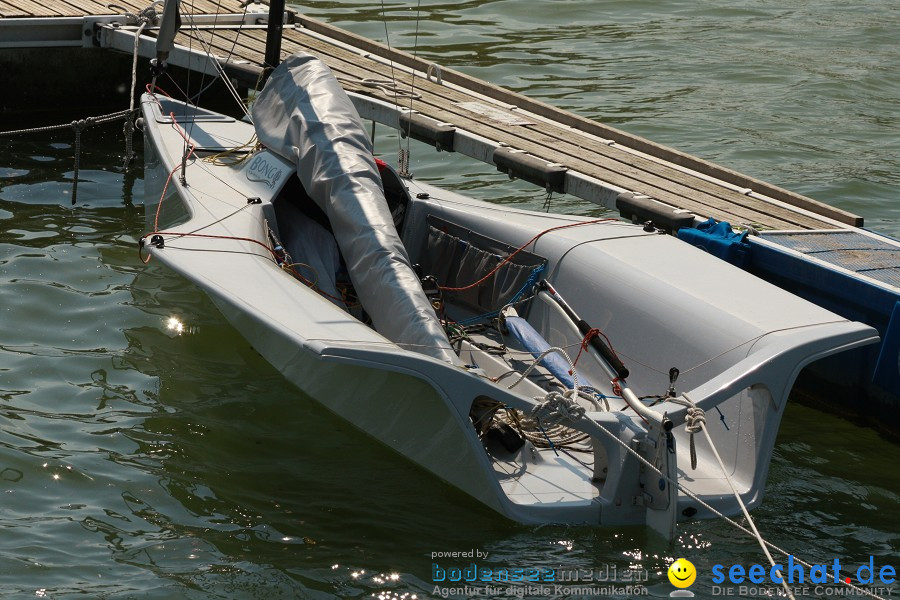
(304, 115)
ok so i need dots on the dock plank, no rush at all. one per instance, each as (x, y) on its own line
(589, 147)
(545, 140)
(59, 8)
(587, 125)
(21, 9)
(28, 8)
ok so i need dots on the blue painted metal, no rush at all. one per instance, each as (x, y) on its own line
(862, 384)
(851, 272)
(867, 383)
(851, 296)
(887, 370)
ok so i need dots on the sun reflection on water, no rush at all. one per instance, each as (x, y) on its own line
(175, 325)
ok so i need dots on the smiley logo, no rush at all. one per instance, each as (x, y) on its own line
(682, 573)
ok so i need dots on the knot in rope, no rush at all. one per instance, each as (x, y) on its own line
(557, 408)
(695, 419)
(149, 15)
(694, 422)
(616, 388)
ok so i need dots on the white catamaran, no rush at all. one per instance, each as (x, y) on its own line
(556, 368)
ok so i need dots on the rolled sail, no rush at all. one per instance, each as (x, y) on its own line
(304, 115)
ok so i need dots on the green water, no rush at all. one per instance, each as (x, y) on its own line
(139, 463)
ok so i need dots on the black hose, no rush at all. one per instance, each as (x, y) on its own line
(584, 328)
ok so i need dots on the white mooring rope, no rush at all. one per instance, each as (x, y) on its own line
(762, 543)
(755, 533)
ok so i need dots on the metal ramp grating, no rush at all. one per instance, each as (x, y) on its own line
(870, 256)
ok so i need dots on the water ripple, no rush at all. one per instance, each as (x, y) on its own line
(139, 462)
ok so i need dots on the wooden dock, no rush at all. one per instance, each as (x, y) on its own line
(594, 161)
(809, 248)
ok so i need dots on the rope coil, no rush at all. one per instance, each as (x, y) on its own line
(545, 426)
(557, 408)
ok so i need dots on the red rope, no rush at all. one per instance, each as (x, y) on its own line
(584, 345)
(214, 237)
(157, 89)
(520, 249)
(616, 388)
(162, 196)
(274, 254)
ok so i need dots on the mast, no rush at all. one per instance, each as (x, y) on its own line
(165, 39)
(273, 34)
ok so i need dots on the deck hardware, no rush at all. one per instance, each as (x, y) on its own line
(673, 377)
(518, 163)
(640, 208)
(436, 69)
(421, 128)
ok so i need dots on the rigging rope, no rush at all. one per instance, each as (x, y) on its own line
(84, 123)
(403, 158)
(234, 156)
(544, 427)
(725, 518)
(219, 69)
(146, 16)
(695, 421)
(539, 358)
(77, 126)
(701, 425)
(516, 299)
(412, 88)
(195, 99)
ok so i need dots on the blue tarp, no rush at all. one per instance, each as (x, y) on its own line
(535, 344)
(717, 238)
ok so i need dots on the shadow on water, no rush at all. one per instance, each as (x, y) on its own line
(261, 484)
(39, 168)
(251, 488)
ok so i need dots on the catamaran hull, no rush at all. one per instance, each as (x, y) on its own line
(657, 299)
